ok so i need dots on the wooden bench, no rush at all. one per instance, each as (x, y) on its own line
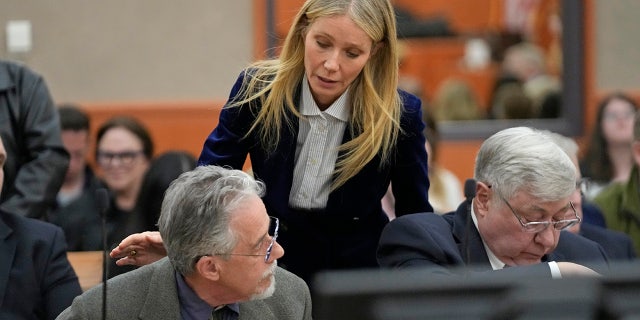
(88, 267)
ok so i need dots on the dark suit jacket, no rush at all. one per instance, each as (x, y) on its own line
(36, 279)
(616, 244)
(441, 243)
(347, 231)
(150, 292)
(592, 215)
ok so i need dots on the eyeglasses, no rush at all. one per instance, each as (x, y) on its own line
(125, 158)
(615, 116)
(538, 226)
(274, 225)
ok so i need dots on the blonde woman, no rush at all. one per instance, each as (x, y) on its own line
(327, 130)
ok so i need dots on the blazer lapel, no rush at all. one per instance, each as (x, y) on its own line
(469, 242)
(7, 253)
(162, 300)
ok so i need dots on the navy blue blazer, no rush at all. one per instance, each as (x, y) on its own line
(36, 279)
(441, 243)
(616, 244)
(592, 215)
(354, 208)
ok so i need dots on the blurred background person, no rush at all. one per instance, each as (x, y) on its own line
(76, 211)
(163, 169)
(511, 102)
(526, 61)
(617, 245)
(36, 158)
(620, 201)
(608, 157)
(124, 149)
(455, 100)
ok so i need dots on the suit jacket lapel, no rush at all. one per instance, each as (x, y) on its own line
(162, 300)
(285, 153)
(7, 253)
(469, 242)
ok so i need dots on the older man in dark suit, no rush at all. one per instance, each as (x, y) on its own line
(36, 279)
(515, 219)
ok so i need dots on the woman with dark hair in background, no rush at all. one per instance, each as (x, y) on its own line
(608, 157)
(124, 150)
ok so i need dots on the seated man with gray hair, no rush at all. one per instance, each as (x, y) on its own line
(521, 203)
(222, 251)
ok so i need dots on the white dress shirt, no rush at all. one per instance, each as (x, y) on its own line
(319, 137)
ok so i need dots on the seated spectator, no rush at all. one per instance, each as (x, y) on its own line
(526, 61)
(36, 279)
(124, 150)
(608, 157)
(617, 245)
(524, 184)
(620, 201)
(163, 170)
(76, 211)
(591, 213)
(454, 100)
(503, 80)
(511, 102)
(222, 250)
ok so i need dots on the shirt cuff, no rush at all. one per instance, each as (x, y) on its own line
(555, 270)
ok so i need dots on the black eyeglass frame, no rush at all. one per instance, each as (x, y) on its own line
(125, 158)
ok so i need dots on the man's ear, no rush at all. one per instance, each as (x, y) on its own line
(483, 196)
(209, 267)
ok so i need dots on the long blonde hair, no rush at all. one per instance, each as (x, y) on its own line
(376, 105)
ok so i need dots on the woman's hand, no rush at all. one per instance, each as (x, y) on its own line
(139, 249)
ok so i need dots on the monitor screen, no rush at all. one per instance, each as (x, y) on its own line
(384, 294)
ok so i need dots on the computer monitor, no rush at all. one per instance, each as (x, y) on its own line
(384, 294)
(620, 291)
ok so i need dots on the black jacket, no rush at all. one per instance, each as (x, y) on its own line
(30, 130)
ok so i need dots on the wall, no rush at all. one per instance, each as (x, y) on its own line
(120, 50)
(616, 43)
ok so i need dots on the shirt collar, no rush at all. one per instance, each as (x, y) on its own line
(493, 259)
(338, 109)
(190, 303)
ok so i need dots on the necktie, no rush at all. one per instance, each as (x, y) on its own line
(217, 314)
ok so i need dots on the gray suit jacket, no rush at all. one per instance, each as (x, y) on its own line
(150, 292)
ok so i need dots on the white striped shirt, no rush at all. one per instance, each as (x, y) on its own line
(319, 137)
